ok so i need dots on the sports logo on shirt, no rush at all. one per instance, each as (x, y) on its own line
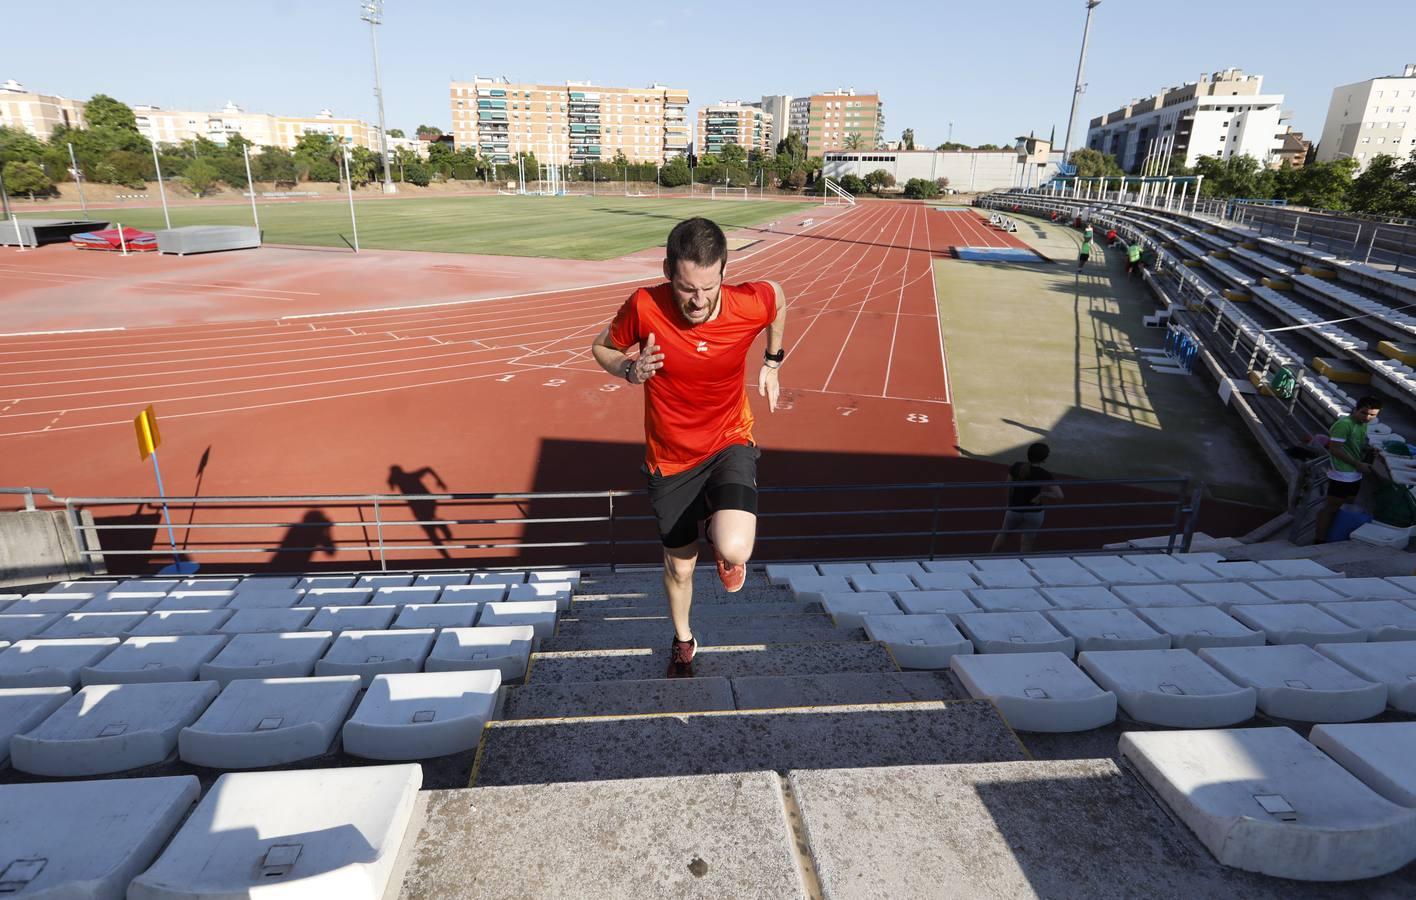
(702, 346)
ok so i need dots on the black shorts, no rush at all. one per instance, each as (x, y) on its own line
(1344, 489)
(725, 480)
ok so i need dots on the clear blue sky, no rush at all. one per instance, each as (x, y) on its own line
(995, 69)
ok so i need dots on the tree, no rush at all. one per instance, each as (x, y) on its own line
(674, 173)
(952, 145)
(23, 177)
(201, 176)
(921, 189)
(907, 138)
(102, 111)
(1237, 176)
(19, 146)
(854, 141)
(879, 180)
(417, 173)
(427, 132)
(792, 147)
(1380, 190)
(395, 132)
(1094, 164)
(852, 185)
(275, 165)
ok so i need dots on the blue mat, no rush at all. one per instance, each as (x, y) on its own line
(997, 254)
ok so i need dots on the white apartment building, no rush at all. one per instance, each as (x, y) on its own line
(778, 106)
(798, 116)
(734, 122)
(1221, 115)
(37, 114)
(1371, 118)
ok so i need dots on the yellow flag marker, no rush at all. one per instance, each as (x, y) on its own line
(149, 438)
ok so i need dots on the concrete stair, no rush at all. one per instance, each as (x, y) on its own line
(730, 662)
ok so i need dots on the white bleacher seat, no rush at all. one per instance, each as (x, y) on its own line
(846, 608)
(944, 581)
(1174, 571)
(86, 625)
(275, 655)
(1193, 627)
(22, 709)
(352, 618)
(903, 567)
(1203, 557)
(269, 722)
(779, 574)
(1061, 571)
(556, 576)
(1298, 568)
(1107, 629)
(256, 584)
(249, 621)
(844, 569)
(148, 659)
(1144, 595)
(357, 596)
(37, 662)
(1082, 597)
(1382, 620)
(87, 838)
(48, 604)
(442, 579)
(207, 584)
(18, 626)
(918, 603)
(150, 584)
(939, 566)
(1296, 590)
(918, 642)
(274, 598)
(1380, 754)
(370, 653)
(422, 714)
(182, 621)
(498, 578)
(1238, 570)
(1392, 663)
(314, 833)
(186, 599)
(887, 583)
(1296, 682)
(506, 649)
(1369, 589)
(7, 599)
(1006, 578)
(1014, 632)
(402, 596)
(1174, 688)
(1226, 594)
(437, 615)
(326, 582)
(1265, 800)
(810, 588)
(1001, 564)
(557, 592)
(1298, 623)
(1117, 570)
(1037, 691)
(97, 587)
(380, 581)
(1405, 582)
(107, 728)
(1009, 599)
(539, 614)
(123, 601)
(473, 593)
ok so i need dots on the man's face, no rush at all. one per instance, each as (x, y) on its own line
(1364, 414)
(696, 289)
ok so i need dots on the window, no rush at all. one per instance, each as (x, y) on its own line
(1366, 140)
(1361, 156)
(1381, 140)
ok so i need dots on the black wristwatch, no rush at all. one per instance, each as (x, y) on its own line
(775, 357)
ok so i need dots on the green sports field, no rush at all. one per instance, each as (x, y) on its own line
(562, 227)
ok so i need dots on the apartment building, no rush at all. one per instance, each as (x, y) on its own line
(734, 122)
(798, 116)
(1369, 118)
(778, 106)
(1222, 115)
(37, 114)
(569, 123)
(842, 120)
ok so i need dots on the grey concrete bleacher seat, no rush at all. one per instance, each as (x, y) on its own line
(148, 659)
(247, 621)
(1001, 564)
(1193, 627)
(1382, 620)
(182, 621)
(150, 584)
(847, 608)
(882, 583)
(1296, 682)
(370, 653)
(498, 578)
(96, 586)
(473, 593)
(378, 581)
(107, 728)
(1238, 570)
(558, 592)
(1060, 571)
(1014, 632)
(442, 579)
(1021, 577)
(36, 662)
(1296, 590)
(202, 584)
(1143, 595)
(1107, 629)
(256, 584)
(1037, 691)
(315, 833)
(1369, 589)
(1380, 754)
(539, 614)
(272, 655)
(918, 641)
(779, 574)
(908, 568)
(810, 588)
(271, 598)
(22, 709)
(931, 602)
(1298, 623)
(1117, 570)
(269, 722)
(1405, 582)
(506, 649)
(188, 599)
(326, 582)
(1226, 594)
(98, 624)
(422, 714)
(87, 838)
(556, 576)
(401, 595)
(1082, 597)
(355, 596)
(1298, 568)
(844, 569)
(937, 566)
(48, 604)
(1392, 663)
(1174, 688)
(1174, 571)
(18, 626)
(437, 615)
(352, 618)
(1009, 599)
(944, 581)
(123, 601)
(1265, 800)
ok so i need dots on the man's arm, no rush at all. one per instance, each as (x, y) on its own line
(767, 382)
(618, 363)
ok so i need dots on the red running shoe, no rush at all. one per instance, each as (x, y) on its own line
(732, 577)
(681, 655)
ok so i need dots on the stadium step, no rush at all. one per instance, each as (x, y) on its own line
(601, 748)
(608, 609)
(709, 632)
(730, 662)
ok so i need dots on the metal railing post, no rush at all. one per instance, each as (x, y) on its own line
(378, 532)
(1196, 498)
(1179, 513)
(934, 525)
(29, 500)
(613, 558)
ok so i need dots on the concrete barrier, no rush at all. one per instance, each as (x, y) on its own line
(37, 545)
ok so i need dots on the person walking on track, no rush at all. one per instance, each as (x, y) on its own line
(693, 335)
(1085, 253)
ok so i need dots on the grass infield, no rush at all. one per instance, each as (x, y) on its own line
(561, 227)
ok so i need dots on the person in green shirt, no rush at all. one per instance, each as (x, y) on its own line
(1347, 448)
(1085, 251)
(1133, 258)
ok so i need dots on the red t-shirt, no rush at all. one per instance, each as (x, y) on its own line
(696, 404)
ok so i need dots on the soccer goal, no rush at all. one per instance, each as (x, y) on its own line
(729, 193)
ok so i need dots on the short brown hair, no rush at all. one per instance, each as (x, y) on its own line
(698, 240)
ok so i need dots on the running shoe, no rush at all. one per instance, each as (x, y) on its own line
(681, 655)
(732, 577)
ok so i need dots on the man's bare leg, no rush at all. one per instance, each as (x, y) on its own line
(734, 532)
(678, 585)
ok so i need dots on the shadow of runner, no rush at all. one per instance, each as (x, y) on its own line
(312, 534)
(424, 510)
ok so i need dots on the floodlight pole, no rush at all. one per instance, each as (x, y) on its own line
(246, 153)
(373, 14)
(162, 192)
(78, 180)
(1079, 87)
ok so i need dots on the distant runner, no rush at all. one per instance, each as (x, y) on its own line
(1085, 251)
(1133, 259)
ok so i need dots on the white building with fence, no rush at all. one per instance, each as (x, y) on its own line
(967, 170)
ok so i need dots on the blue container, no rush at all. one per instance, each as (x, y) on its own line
(1348, 519)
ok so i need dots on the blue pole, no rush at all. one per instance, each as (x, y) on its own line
(166, 516)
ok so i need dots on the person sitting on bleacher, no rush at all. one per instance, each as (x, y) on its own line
(1111, 237)
(1347, 460)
